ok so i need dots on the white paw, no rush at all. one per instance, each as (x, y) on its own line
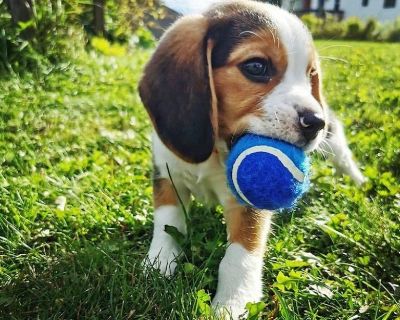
(162, 255)
(239, 282)
(227, 310)
(226, 307)
(346, 165)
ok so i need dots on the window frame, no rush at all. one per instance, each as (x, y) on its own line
(389, 4)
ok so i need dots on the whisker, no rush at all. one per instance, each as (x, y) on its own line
(336, 46)
(321, 152)
(251, 33)
(334, 59)
(276, 117)
(325, 151)
(326, 143)
(273, 37)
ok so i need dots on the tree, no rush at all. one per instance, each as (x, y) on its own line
(21, 11)
(98, 16)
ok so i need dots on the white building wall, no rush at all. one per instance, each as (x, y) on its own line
(292, 5)
(374, 9)
(354, 8)
(329, 4)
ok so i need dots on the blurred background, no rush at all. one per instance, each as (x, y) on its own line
(35, 32)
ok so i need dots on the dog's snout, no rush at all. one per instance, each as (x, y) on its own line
(311, 123)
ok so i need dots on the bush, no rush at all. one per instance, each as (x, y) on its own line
(59, 31)
(372, 30)
(323, 28)
(57, 35)
(393, 33)
(124, 17)
(313, 23)
(354, 28)
(332, 29)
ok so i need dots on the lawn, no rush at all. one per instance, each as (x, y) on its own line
(75, 202)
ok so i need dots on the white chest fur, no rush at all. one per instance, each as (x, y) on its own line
(206, 181)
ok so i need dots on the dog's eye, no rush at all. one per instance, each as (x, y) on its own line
(258, 70)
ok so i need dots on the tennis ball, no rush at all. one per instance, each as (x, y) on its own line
(267, 173)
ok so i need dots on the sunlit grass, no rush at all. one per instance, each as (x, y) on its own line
(75, 202)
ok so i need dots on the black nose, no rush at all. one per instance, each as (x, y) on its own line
(310, 124)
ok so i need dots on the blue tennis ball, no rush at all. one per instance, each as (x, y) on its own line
(267, 173)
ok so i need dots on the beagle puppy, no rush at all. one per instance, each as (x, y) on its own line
(242, 66)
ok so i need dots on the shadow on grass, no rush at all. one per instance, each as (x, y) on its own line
(105, 280)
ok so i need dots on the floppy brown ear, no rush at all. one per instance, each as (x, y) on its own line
(176, 90)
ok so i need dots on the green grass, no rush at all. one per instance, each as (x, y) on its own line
(80, 132)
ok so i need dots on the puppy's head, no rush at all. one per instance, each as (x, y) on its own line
(242, 66)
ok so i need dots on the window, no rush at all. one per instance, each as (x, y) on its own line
(336, 6)
(364, 3)
(389, 3)
(276, 2)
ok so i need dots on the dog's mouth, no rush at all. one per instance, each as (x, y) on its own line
(235, 138)
(231, 141)
(302, 143)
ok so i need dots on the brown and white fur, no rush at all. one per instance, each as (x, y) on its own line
(199, 101)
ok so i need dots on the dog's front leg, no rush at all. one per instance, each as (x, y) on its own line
(168, 212)
(240, 271)
(340, 153)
